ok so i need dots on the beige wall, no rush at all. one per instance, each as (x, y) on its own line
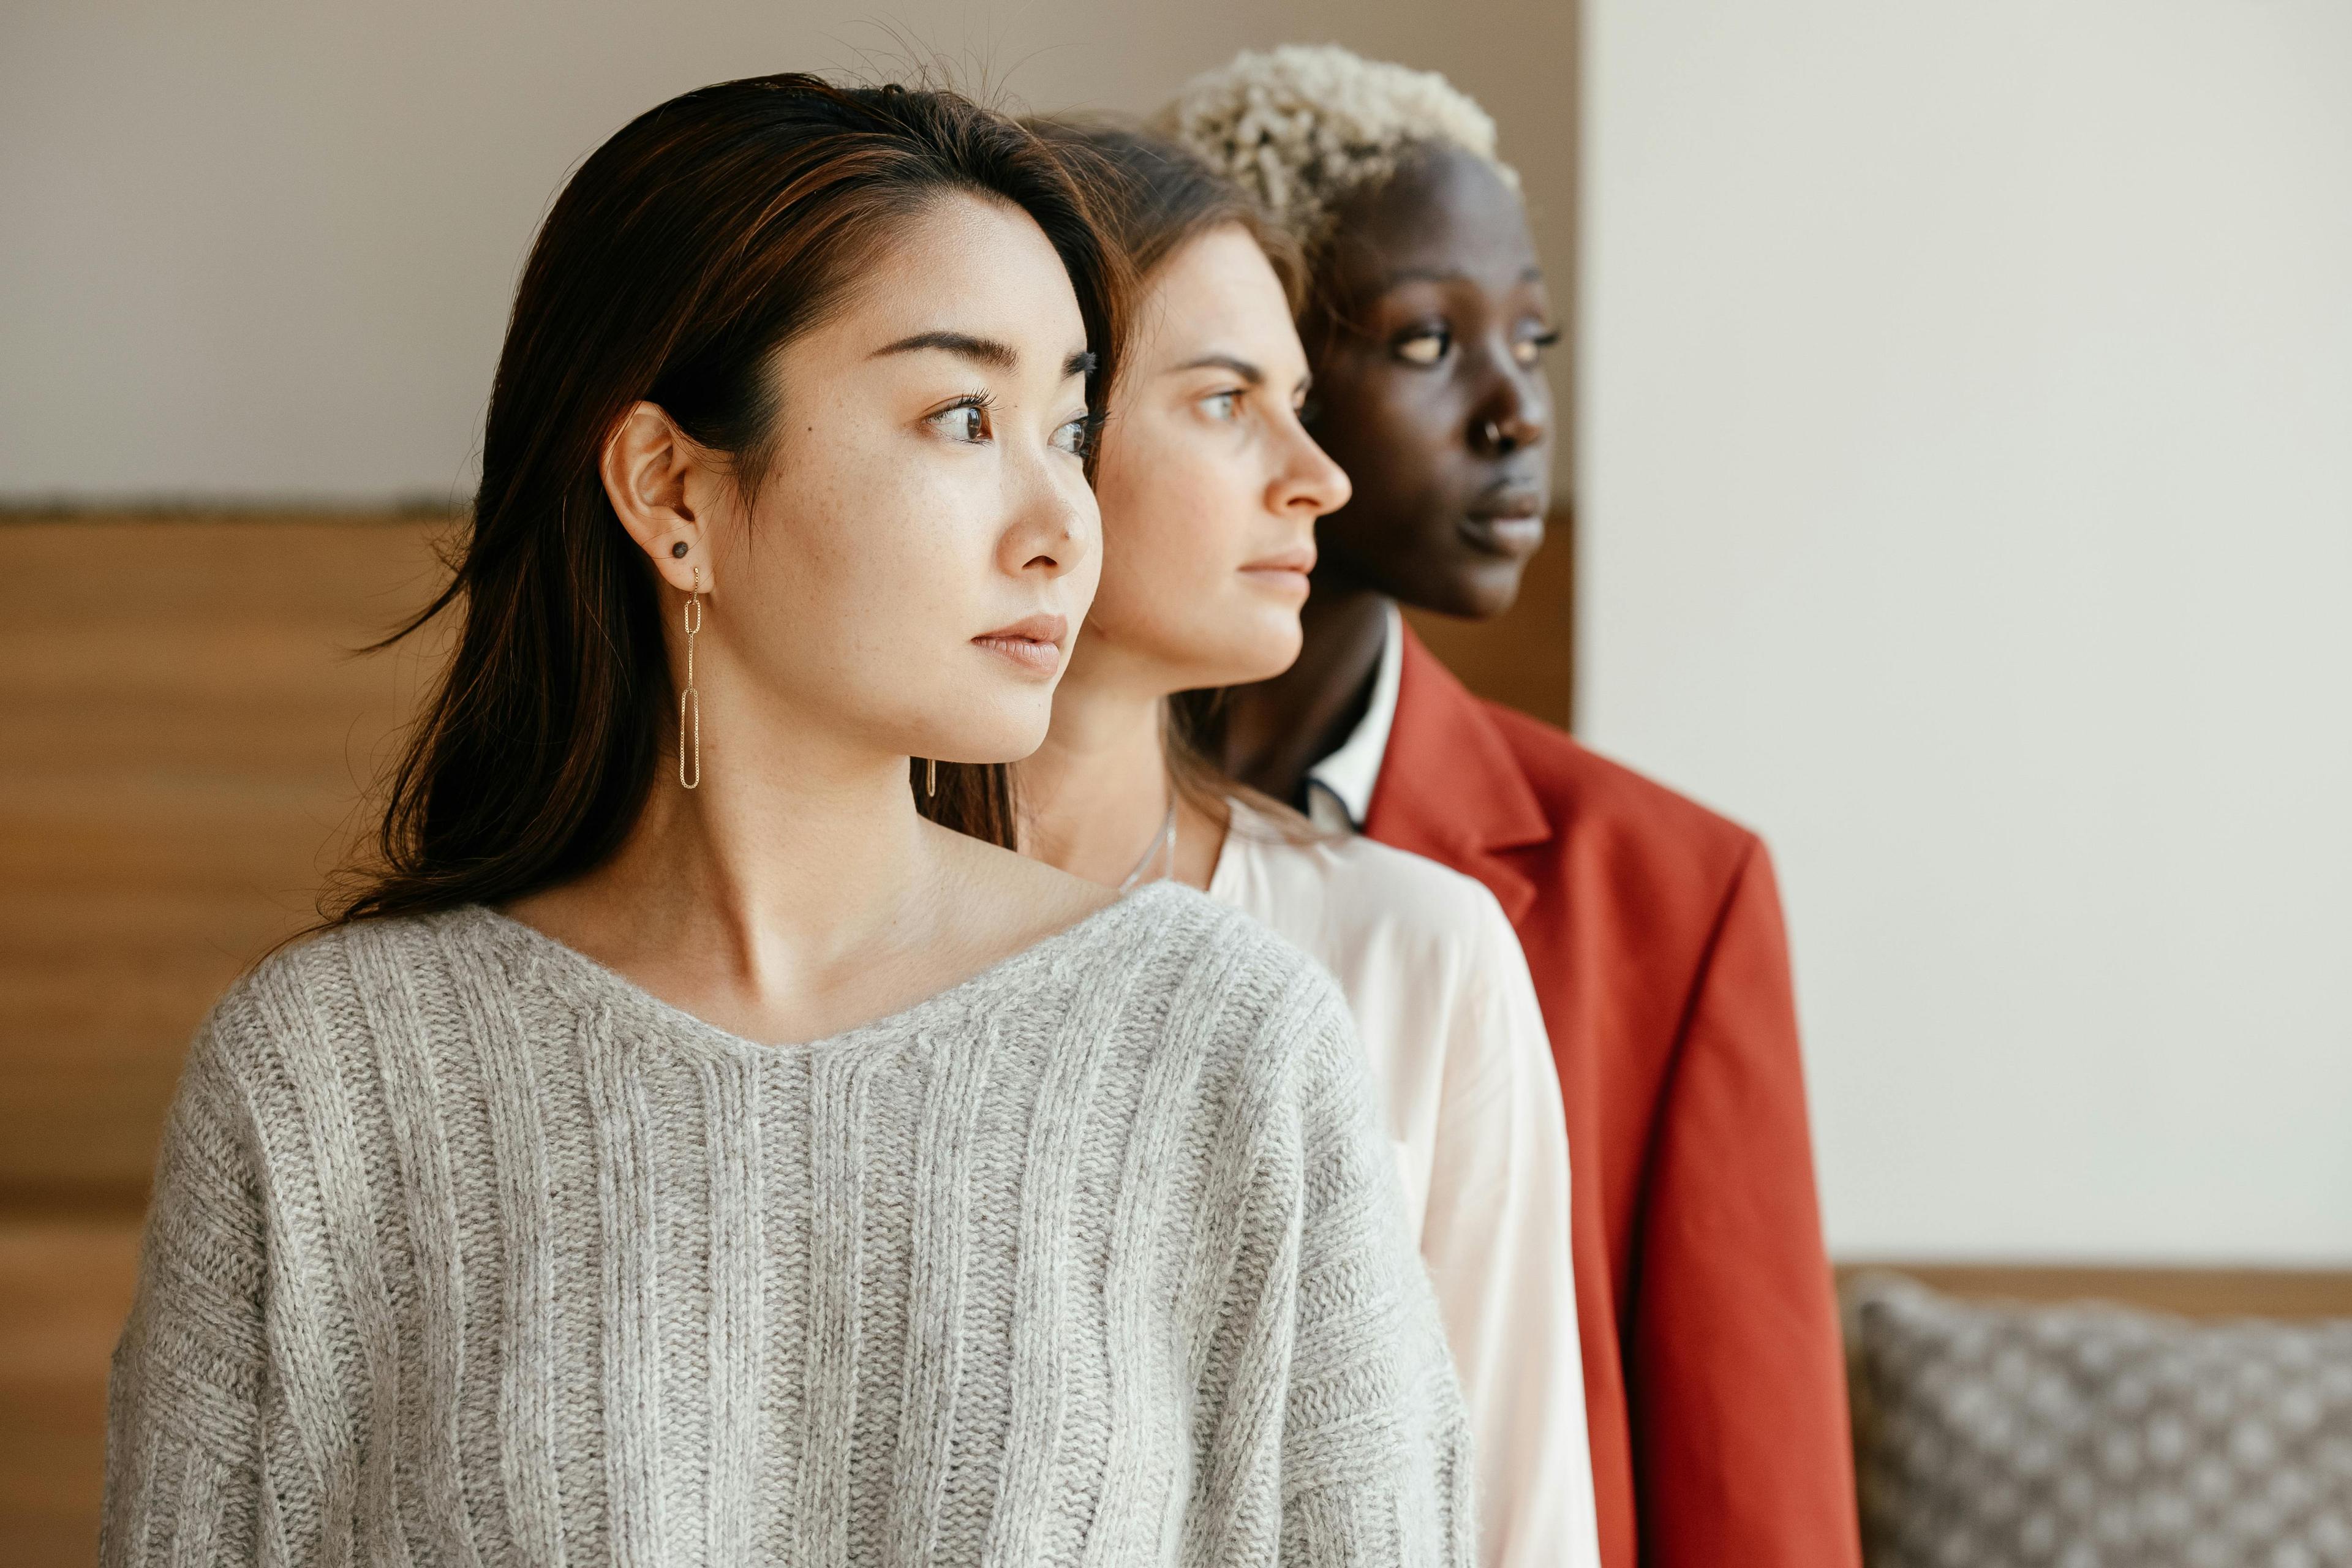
(266, 250)
(1967, 496)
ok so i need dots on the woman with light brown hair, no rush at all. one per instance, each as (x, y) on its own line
(1211, 491)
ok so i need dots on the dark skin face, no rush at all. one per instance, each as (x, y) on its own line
(1429, 388)
(1426, 344)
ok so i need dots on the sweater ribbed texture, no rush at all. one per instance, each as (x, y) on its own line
(465, 1250)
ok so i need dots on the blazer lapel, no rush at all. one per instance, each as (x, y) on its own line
(1451, 787)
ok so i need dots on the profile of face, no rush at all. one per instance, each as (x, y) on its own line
(1429, 386)
(1210, 486)
(906, 579)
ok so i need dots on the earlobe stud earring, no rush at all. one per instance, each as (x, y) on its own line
(678, 550)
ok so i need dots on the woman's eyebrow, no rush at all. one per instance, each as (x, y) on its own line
(1530, 274)
(1240, 367)
(1404, 275)
(963, 345)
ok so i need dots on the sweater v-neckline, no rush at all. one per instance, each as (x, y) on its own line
(603, 982)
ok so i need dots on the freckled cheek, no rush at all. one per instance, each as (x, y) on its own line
(1152, 496)
(1224, 525)
(1142, 563)
(944, 540)
(873, 556)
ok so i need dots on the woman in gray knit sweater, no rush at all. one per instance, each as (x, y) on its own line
(495, 1222)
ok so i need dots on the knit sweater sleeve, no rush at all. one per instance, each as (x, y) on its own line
(182, 1472)
(1371, 1464)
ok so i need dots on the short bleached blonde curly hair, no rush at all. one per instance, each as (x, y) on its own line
(1303, 125)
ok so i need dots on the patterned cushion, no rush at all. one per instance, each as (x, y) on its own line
(2094, 1437)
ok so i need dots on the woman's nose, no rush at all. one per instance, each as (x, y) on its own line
(1312, 482)
(1512, 416)
(1054, 533)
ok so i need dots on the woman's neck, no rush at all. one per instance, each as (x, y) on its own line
(1096, 796)
(1278, 729)
(776, 865)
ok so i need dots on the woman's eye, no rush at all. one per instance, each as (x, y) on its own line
(1529, 351)
(1424, 347)
(1222, 405)
(1075, 435)
(963, 422)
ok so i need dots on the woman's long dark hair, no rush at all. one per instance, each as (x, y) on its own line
(703, 237)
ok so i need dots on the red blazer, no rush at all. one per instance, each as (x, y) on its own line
(1713, 1371)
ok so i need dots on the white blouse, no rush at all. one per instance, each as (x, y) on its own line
(1442, 998)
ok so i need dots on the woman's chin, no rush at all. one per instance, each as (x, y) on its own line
(1263, 652)
(1472, 585)
(985, 731)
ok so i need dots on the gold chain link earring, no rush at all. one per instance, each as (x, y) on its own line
(689, 700)
(930, 777)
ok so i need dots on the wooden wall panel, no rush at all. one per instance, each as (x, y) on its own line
(184, 737)
(65, 1286)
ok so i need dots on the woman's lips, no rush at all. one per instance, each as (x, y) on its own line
(1508, 523)
(1033, 645)
(1287, 571)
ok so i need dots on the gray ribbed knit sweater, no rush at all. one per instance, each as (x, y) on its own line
(465, 1250)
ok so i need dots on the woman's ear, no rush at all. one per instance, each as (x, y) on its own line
(649, 466)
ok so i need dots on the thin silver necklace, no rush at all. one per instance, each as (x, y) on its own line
(1164, 839)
